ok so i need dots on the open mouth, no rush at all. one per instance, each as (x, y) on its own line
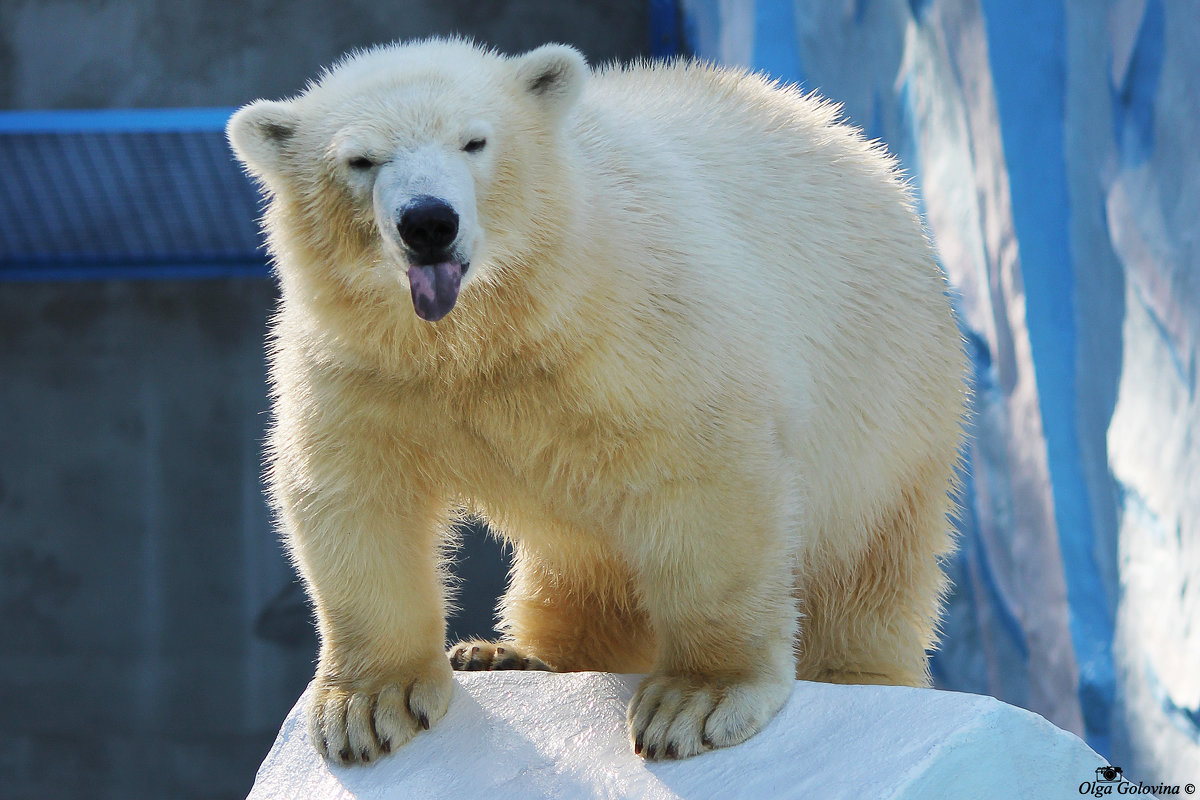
(435, 288)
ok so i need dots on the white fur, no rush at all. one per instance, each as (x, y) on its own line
(704, 375)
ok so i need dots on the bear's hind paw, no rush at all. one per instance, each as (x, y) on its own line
(482, 655)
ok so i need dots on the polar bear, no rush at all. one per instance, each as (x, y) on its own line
(673, 330)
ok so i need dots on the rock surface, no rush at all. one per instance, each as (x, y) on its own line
(540, 735)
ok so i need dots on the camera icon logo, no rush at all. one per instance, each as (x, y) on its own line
(1107, 774)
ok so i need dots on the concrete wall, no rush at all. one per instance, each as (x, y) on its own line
(153, 635)
(160, 53)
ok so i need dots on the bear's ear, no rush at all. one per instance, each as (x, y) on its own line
(553, 74)
(258, 133)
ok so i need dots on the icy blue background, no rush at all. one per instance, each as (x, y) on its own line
(1053, 146)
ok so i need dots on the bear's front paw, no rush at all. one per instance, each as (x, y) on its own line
(481, 655)
(357, 722)
(676, 716)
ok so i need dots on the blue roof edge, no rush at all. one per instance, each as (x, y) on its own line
(115, 120)
(181, 270)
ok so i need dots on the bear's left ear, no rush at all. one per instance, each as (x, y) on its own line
(553, 74)
(259, 133)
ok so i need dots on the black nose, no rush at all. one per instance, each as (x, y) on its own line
(428, 226)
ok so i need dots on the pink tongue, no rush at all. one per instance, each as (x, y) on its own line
(434, 289)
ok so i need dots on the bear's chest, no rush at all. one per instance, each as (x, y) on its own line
(535, 435)
(538, 442)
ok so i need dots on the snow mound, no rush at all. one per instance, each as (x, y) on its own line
(542, 735)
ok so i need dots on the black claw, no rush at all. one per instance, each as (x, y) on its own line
(671, 752)
(637, 744)
(424, 720)
(365, 755)
(344, 754)
(652, 752)
(704, 740)
(386, 745)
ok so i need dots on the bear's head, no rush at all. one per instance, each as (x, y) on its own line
(422, 168)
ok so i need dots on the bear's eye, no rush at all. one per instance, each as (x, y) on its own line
(360, 163)
(475, 145)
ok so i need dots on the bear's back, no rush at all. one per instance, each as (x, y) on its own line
(775, 173)
(725, 140)
(698, 109)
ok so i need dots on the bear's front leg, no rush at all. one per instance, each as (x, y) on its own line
(366, 542)
(719, 596)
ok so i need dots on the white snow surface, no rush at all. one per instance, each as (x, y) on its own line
(542, 735)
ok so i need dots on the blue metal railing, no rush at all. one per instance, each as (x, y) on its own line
(142, 193)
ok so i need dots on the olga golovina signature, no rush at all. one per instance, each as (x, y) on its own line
(1109, 780)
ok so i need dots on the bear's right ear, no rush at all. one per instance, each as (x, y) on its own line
(259, 132)
(553, 74)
